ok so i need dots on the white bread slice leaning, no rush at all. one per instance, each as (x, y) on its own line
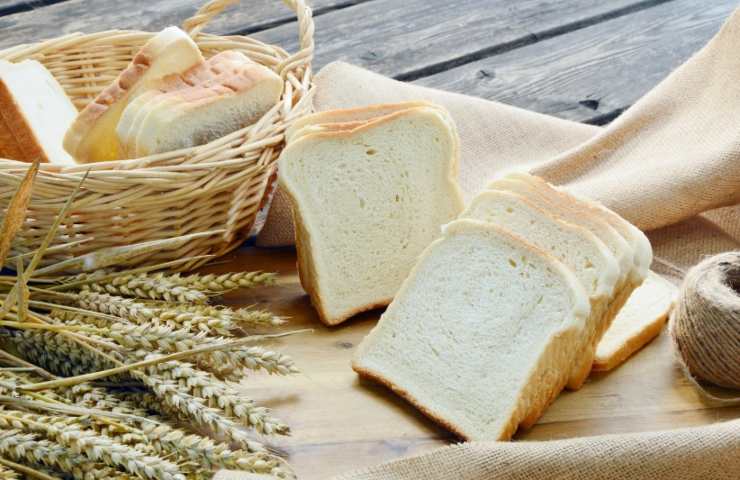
(226, 93)
(544, 197)
(576, 211)
(642, 251)
(92, 137)
(366, 202)
(35, 113)
(483, 334)
(576, 247)
(637, 323)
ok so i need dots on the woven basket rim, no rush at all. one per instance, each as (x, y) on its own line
(299, 61)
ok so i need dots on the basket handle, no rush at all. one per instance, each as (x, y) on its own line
(195, 24)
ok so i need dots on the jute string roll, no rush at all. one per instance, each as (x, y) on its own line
(705, 324)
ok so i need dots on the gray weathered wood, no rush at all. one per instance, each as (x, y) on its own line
(151, 15)
(596, 70)
(398, 38)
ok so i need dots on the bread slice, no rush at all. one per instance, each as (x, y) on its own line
(576, 247)
(574, 210)
(92, 137)
(211, 100)
(571, 212)
(35, 113)
(642, 251)
(637, 323)
(366, 202)
(483, 333)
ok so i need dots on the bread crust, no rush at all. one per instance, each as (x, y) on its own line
(356, 114)
(607, 315)
(115, 92)
(377, 377)
(307, 271)
(24, 146)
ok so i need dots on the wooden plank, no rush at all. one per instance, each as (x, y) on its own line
(596, 70)
(340, 423)
(410, 37)
(95, 15)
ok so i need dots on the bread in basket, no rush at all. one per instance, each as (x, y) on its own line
(218, 187)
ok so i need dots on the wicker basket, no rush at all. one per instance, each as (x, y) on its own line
(218, 187)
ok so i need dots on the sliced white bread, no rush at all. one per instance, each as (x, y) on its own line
(226, 93)
(35, 113)
(643, 252)
(482, 335)
(576, 247)
(571, 213)
(366, 202)
(604, 226)
(639, 321)
(92, 137)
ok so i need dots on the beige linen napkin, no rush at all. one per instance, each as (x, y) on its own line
(668, 164)
(665, 164)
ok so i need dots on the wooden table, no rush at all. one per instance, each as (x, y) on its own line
(577, 59)
(341, 422)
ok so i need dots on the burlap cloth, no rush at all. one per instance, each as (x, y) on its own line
(667, 164)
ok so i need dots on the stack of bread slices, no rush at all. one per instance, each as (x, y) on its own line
(507, 308)
(370, 188)
(169, 98)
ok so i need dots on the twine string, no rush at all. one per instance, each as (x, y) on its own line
(705, 325)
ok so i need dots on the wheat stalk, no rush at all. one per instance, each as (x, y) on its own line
(146, 287)
(194, 408)
(252, 358)
(114, 305)
(30, 449)
(219, 394)
(73, 433)
(213, 454)
(223, 282)
(7, 473)
(56, 353)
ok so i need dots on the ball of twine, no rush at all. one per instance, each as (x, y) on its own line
(705, 324)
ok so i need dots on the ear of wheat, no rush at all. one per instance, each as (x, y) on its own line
(104, 374)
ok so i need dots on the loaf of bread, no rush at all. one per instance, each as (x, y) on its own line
(369, 194)
(209, 101)
(35, 113)
(637, 323)
(92, 137)
(483, 335)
